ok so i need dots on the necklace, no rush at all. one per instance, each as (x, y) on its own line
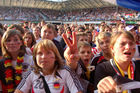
(120, 72)
(12, 76)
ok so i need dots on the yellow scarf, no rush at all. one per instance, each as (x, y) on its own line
(122, 73)
(88, 72)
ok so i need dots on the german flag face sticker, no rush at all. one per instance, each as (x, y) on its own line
(56, 85)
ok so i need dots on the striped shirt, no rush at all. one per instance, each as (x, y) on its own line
(65, 82)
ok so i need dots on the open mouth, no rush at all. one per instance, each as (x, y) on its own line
(127, 53)
(86, 60)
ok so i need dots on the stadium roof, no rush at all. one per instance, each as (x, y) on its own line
(56, 4)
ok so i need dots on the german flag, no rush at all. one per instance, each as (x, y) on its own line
(56, 85)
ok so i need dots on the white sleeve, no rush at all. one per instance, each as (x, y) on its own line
(73, 82)
(79, 70)
(26, 83)
(31, 63)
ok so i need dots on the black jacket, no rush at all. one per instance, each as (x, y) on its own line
(105, 69)
(59, 47)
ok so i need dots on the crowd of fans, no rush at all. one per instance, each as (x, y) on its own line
(31, 52)
(99, 14)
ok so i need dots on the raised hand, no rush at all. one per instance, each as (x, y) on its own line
(71, 52)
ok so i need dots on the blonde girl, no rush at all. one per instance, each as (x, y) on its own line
(49, 76)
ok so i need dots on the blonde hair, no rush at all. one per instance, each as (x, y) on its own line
(101, 36)
(7, 35)
(83, 44)
(47, 45)
(78, 34)
(49, 26)
(116, 35)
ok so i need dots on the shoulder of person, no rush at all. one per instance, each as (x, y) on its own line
(2, 68)
(104, 64)
(55, 41)
(31, 74)
(105, 67)
(2, 62)
(28, 58)
(137, 63)
(68, 70)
